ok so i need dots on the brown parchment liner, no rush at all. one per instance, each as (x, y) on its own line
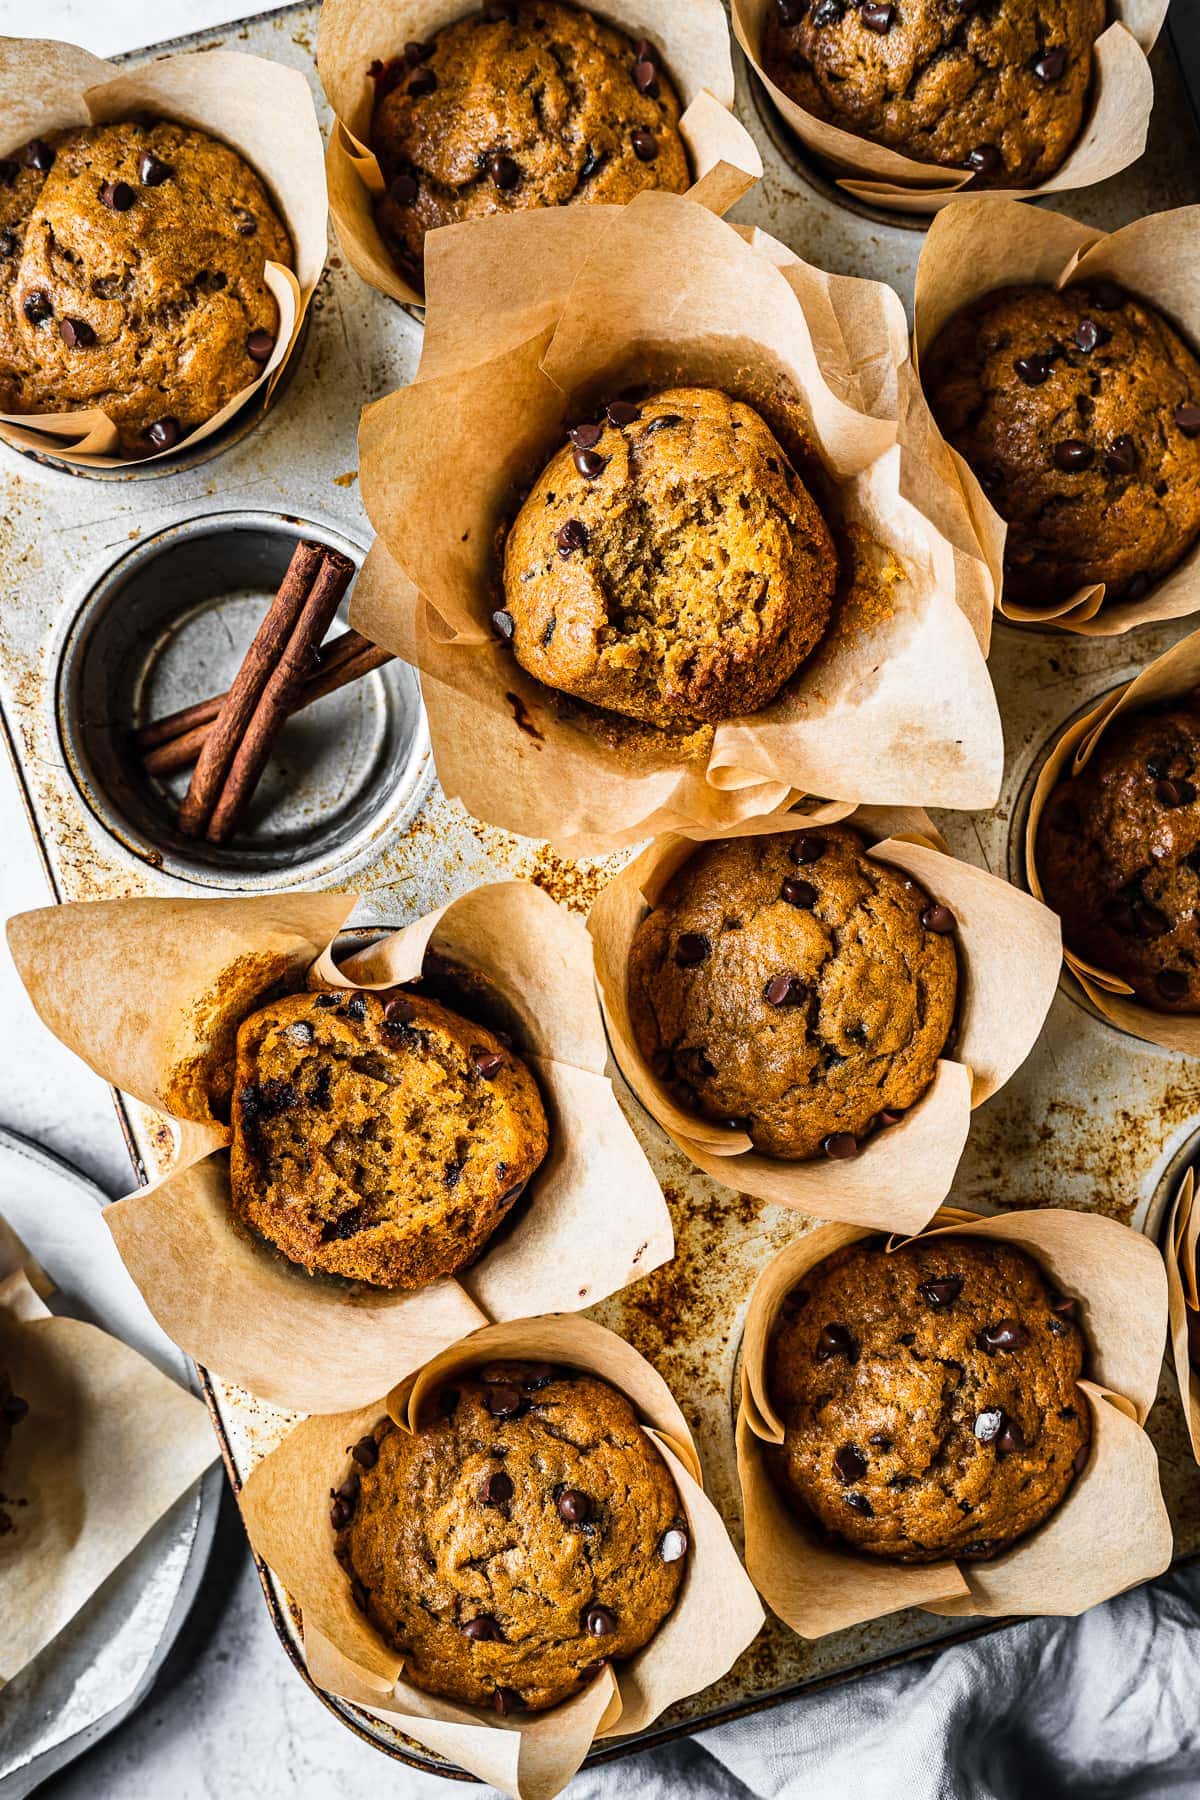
(1109, 1533)
(1009, 951)
(1181, 1248)
(263, 110)
(107, 1446)
(1170, 676)
(1113, 136)
(983, 244)
(896, 707)
(692, 37)
(285, 1505)
(149, 992)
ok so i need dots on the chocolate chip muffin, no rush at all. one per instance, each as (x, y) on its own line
(1118, 854)
(794, 988)
(529, 1531)
(999, 89)
(1079, 411)
(379, 1138)
(669, 563)
(519, 106)
(928, 1396)
(12, 1410)
(131, 278)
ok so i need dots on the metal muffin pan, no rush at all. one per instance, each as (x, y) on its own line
(1094, 1120)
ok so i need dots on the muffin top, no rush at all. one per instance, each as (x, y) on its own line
(1079, 411)
(131, 278)
(527, 1533)
(998, 89)
(669, 563)
(792, 986)
(519, 106)
(928, 1396)
(379, 1138)
(1118, 854)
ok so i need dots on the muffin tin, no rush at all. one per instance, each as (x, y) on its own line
(111, 581)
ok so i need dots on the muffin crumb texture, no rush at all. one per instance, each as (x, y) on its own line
(929, 1397)
(529, 1532)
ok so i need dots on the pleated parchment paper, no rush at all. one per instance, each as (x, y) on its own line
(150, 993)
(263, 110)
(285, 1505)
(1109, 1533)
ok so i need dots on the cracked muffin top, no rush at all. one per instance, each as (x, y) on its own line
(929, 1397)
(1079, 412)
(669, 564)
(379, 1138)
(1118, 854)
(998, 87)
(132, 278)
(795, 988)
(518, 106)
(529, 1532)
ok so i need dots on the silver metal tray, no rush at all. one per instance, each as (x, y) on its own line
(1093, 1121)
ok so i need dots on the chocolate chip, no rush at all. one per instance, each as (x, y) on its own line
(340, 1515)
(943, 1291)
(807, 848)
(599, 1622)
(259, 346)
(785, 990)
(989, 1424)
(790, 12)
(645, 75)
(497, 1489)
(691, 948)
(164, 434)
(152, 170)
(1051, 65)
(1107, 295)
(37, 307)
(590, 463)
(38, 155)
(540, 1375)
(1065, 1305)
(622, 412)
(423, 82)
(366, 1452)
(573, 1506)
(1149, 921)
(356, 1007)
(836, 1340)
(1005, 1335)
(399, 1011)
(828, 12)
(507, 1700)
(503, 171)
(572, 535)
(1010, 1438)
(889, 1115)
(1187, 417)
(645, 144)
(483, 1630)
(502, 1401)
(416, 52)
(840, 1146)
(984, 160)
(879, 1440)
(504, 624)
(878, 18)
(939, 919)
(118, 196)
(404, 189)
(849, 1464)
(1033, 370)
(860, 1504)
(593, 161)
(1174, 793)
(488, 1063)
(1121, 456)
(672, 1545)
(76, 334)
(797, 892)
(1079, 1460)
(586, 435)
(1172, 984)
(1073, 455)
(1089, 336)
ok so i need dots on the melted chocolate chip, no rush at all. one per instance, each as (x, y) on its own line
(943, 1291)
(38, 155)
(590, 463)
(984, 160)
(840, 1146)
(37, 307)
(1107, 295)
(366, 1452)
(1089, 336)
(1010, 1438)
(259, 346)
(807, 848)
(1033, 370)
(598, 1621)
(118, 196)
(502, 1401)
(540, 1375)
(573, 1506)
(860, 1504)
(645, 76)
(1073, 456)
(879, 1440)
(503, 171)
(1005, 1335)
(488, 1063)
(672, 1545)
(1121, 456)
(76, 334)
(152, 170)
(1051, 65)
(405, 189)
(785, 990)
(572, 535)
(497, 1489)
(507, 1700)
(849, 1464)
(1174, 793)
(164, 434)
(424, 82)
(483, 1630)
(504, 624)
(1187, 417)
(939, 919)
(836, 1340)
(1172, 984)
(691, 948)
(340, 1515)
(622, 412)
(889, 1115)
(879, 19)
(645, 144)
(797, 892)
(790, 12)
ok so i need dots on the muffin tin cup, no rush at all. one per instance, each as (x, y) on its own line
(285, 1506)
(1111, 1530)
(167, 982)
(693, 40)
(1172, 676)
(1009, 951)
(1112, 138)
(265, 112)
(1181, 1248)
(986, 243)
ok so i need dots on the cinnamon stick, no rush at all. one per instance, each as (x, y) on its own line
(333, 577)
(339, 649)
(262, 658)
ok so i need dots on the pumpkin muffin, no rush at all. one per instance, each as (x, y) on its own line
(1079, 411)
(1118, 856)
(527, 1533)
(794, 988)
(132, 264)
(929, 1397)
(669, 563)
(999, 89)
(519, 106)
(382, 1139)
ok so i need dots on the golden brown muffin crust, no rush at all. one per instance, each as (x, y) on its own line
(131, 278)
(929, 1397)
(379, 1138)
(789, 984)
(527, 1531)
(515, 107)
(1118, 854)
(682, 583)
(1079, 411)
(999, 89)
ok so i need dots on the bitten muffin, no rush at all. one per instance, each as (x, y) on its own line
(1079, 411)
(379, 1139)
(928, 1397)
(132, 278)
(519, 106)
(795, 988)
(529, 1531)
(1000, 89)
(669, 563)
(1118, 855)
(12, 1410)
